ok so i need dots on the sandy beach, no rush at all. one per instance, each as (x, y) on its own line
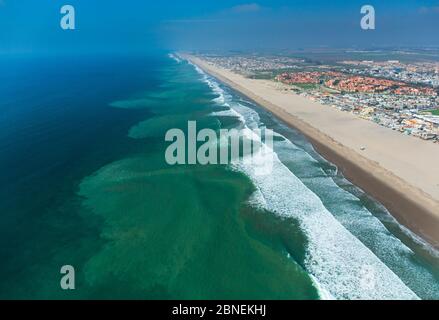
(400, 171)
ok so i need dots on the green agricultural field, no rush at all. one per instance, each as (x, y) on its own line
(306, 86)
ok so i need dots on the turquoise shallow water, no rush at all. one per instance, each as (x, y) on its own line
(354, 248)
(90, 187)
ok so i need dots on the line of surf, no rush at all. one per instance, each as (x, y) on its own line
(340, 263)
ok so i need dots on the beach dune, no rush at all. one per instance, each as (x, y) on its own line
(400, 171)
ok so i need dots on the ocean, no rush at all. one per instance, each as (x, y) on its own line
(85, 183)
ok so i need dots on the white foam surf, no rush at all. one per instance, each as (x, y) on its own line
(174, 57)
(342, 266)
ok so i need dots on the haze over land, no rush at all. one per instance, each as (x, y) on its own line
(33, 26)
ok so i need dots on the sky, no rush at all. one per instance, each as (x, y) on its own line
(139, 25)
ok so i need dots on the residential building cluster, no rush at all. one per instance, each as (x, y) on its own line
(407, 114)
(393, 104)
(425, 73)
(313, 77)
(253, 63)
(347, 83)
(395, 95)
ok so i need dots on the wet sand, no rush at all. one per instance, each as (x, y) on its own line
(400, 171)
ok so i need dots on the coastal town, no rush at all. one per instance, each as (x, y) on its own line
(400, 96)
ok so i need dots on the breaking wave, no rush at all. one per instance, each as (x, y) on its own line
(342, 266)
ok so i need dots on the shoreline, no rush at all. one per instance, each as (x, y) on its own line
(411, 206)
